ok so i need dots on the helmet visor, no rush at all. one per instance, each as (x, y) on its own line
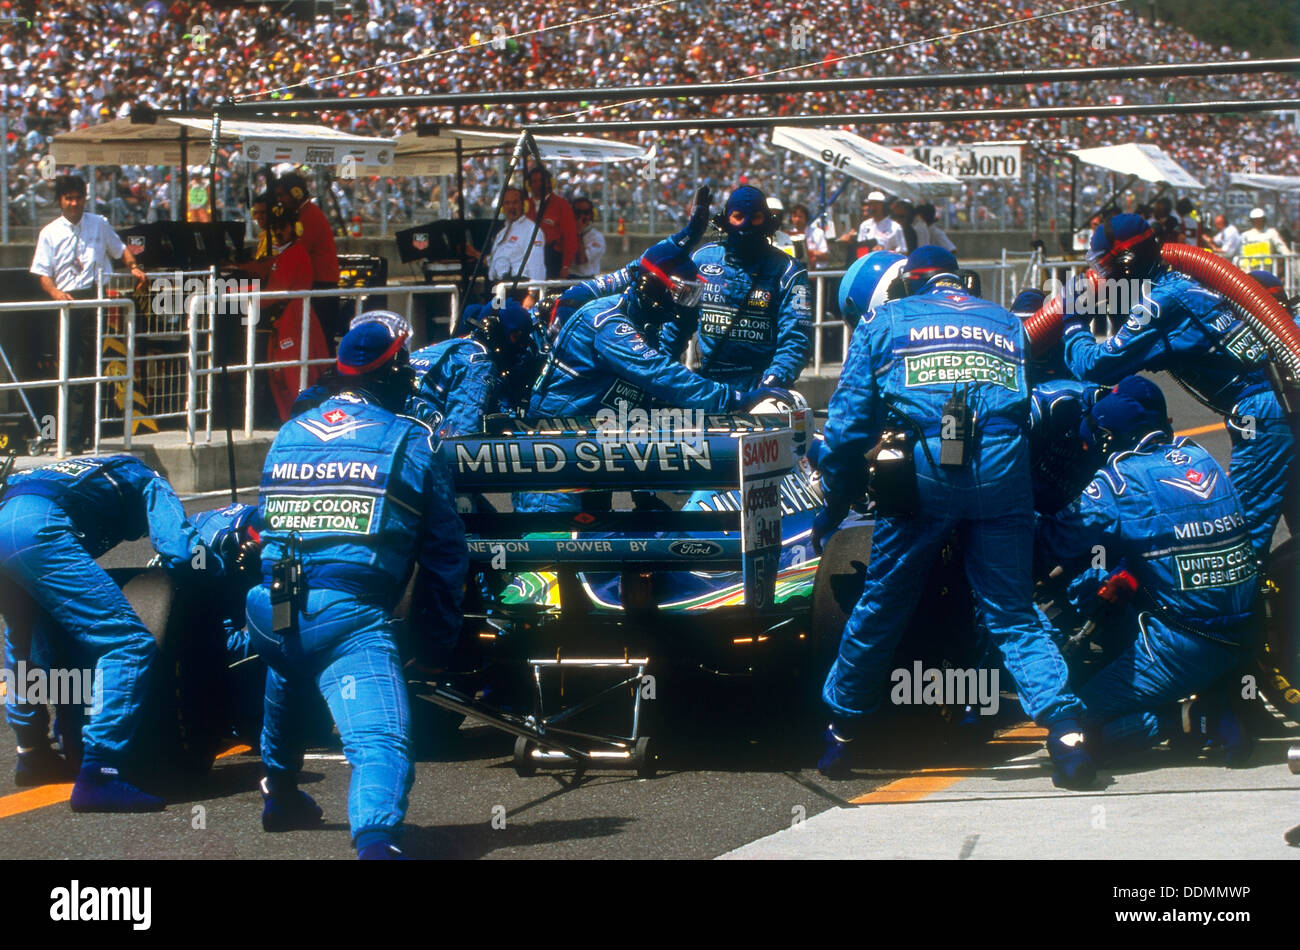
(686, 293)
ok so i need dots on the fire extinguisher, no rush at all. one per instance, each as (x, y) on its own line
(622, 232)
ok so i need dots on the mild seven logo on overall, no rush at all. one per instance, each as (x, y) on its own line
(979, 364)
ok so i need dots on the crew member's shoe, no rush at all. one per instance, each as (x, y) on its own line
(969, 729)
(100, 788)
(378, 846)
(1072, 765)
(1212, 720)
(41, 766)
(288, 809)
(834, 762)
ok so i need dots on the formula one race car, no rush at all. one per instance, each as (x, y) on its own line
(722, 584)
(725, 584)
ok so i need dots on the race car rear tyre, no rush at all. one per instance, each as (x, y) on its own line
(525, 765)
(841, 575)
(1279, 660)
(644, 758)
(190, 718)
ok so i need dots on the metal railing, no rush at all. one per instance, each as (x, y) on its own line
(63, 381)
(198, 365)
(251, 317)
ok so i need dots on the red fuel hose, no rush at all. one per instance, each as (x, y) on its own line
(1044, 327)
(1261, 309)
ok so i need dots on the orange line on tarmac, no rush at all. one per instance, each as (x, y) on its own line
(914, 788)
(1024, 732)
(1200, 430)
(44, 795)
(910, 789)
(34, 798)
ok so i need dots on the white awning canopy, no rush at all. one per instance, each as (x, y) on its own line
(123, 142)
(1147, 162)
(877, 165)
(1264, 182)
(435, 154)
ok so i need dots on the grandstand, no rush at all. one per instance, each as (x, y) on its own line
(83, 63)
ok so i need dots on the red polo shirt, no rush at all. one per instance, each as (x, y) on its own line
(316, 237)
(559, 226)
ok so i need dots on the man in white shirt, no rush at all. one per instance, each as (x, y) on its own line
(591, 243)
(1226, 237)
(1260, 242)
(878, 232)
(510, 253)
(72, 257)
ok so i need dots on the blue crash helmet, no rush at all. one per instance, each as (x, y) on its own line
(1124, 416)
(867, 284)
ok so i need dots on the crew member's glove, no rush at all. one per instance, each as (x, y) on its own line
(816, 450)
(743, 401)
(690, 235)
(1079, 306)
(1095, 589)
(209, 558)
(827, 521)
(248, 559)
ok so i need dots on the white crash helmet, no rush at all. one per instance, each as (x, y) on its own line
(776, 404)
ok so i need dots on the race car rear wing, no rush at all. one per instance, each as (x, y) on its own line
(589, 455)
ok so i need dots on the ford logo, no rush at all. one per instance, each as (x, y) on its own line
(713, 270)
(695, 548)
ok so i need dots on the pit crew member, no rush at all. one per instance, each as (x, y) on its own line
(1180, 326)
(291, 270)
(1164, 509)
(910, 363)
(54, 522)
(487, 370)
(356, 488)
(1058, 464)
(316, 237)
(755, 325)
(605, 355)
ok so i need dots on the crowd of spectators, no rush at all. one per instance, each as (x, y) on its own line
(87, 62)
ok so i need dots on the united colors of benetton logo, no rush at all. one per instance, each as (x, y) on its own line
(341, 513)
(1216, 567)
